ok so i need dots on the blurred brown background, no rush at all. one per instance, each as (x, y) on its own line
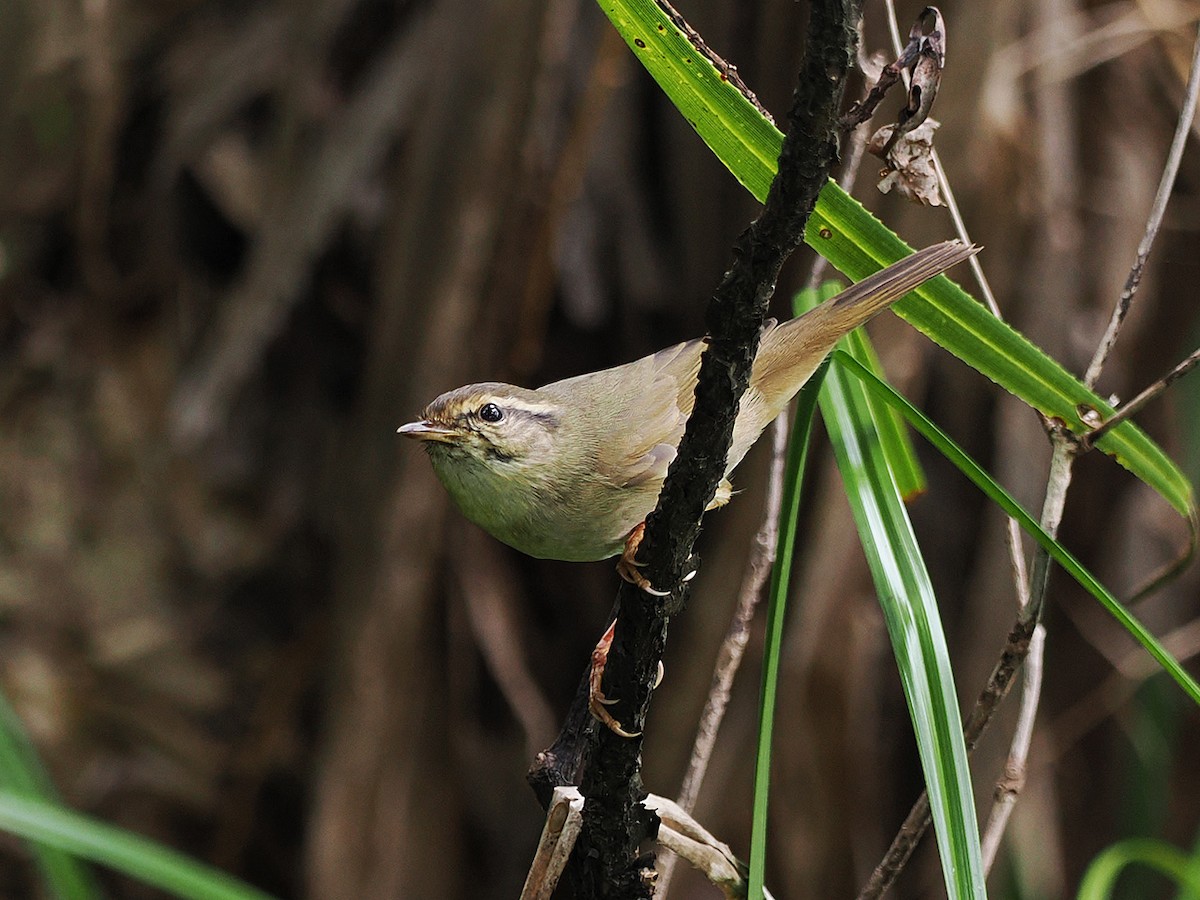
(241, 243)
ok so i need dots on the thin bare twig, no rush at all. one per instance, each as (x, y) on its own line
(1057, 482)
(1066, 447)
(960, 226)
(1013, 530)
(1009, 787)
(1134, 406)
(1165, 186)
(733, 648)
(1057, 159)
(762, 558)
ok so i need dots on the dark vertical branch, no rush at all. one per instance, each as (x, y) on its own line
(606, 862)
(736, 311)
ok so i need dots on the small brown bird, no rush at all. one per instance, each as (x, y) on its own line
(569, 470)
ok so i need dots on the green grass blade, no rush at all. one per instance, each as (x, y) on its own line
(781, 574)
(914, 626)
(897, 446)
(1100, 880)
(950, 317)
(948, 448)
(21, 772)
(139, 857)
(893, 431)
(846, 234)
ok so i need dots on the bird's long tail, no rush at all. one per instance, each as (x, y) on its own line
(791, 352)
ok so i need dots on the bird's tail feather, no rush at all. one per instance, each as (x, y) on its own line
(860, 302)
(797, 346)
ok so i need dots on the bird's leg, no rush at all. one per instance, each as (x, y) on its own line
(597, 702)
(627, 565)
(627, 568)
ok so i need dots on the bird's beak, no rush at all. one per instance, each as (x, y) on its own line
(429, 431)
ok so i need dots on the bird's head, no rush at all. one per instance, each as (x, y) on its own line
(499, 425)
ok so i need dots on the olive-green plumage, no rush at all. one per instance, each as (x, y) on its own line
(568, 470)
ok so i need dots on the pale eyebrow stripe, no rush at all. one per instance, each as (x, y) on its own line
(534, 409)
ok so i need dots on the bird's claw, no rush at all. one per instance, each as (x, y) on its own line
(642, 582)
(597, 702)
(596, 705)
(628, 566)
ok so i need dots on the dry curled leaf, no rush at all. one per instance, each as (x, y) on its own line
(909, 158)
(923, 58)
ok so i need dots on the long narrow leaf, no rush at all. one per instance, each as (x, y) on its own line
(1100, 880)
(846, 234)
(948, 448)
(143, 859)
(893, 431)
(914, 626)
(781, 576)
(22, 773)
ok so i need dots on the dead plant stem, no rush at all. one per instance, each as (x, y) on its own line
(1028, 651)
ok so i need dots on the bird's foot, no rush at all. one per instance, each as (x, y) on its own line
(628, 566)
(598, 703)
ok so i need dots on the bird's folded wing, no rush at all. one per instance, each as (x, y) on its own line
(659, 394)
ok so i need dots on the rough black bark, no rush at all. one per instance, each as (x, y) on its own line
(607, 861)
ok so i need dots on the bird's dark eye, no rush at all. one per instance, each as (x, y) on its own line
(490, 412)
